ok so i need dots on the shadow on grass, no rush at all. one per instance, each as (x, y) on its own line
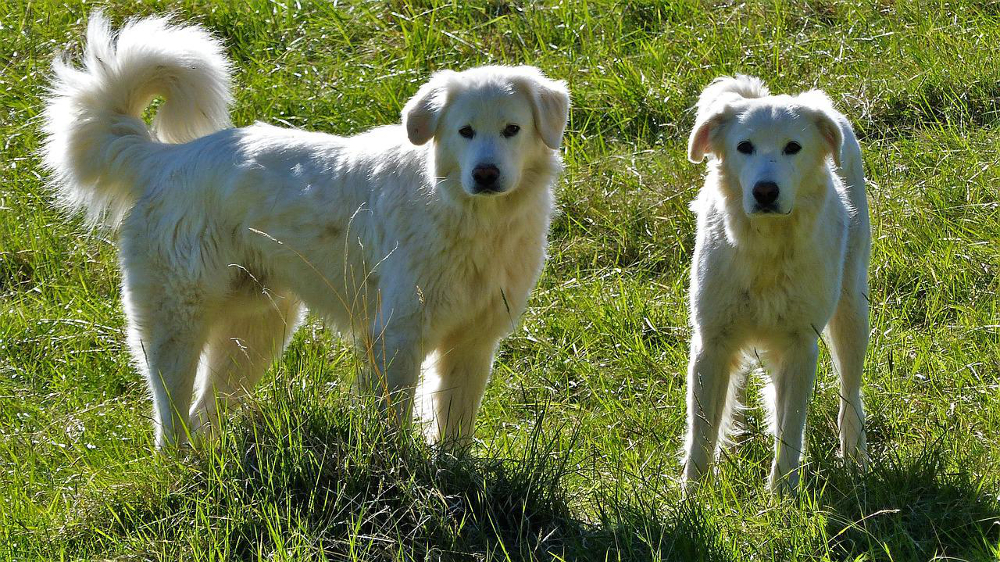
(320, 480)
(912, 507)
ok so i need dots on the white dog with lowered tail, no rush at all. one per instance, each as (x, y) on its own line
(421, 240)
(782, 253)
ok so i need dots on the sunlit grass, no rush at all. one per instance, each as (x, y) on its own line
(582, 423)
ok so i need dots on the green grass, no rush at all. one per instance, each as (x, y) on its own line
(582, 423)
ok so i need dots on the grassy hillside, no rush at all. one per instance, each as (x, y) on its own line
(581, 426)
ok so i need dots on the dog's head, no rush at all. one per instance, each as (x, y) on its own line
(773, 149)
(489, 124)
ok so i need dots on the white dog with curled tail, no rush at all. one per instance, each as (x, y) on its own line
(421, 241)
(782, 253)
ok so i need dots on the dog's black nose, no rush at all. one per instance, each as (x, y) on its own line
(485, 175)
(765, 192)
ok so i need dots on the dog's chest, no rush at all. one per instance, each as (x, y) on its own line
(789, 291)
(488, 273)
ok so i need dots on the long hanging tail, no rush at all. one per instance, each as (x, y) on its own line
(96, 137)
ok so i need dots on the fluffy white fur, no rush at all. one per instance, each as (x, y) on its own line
(225, 234)
(772, 269)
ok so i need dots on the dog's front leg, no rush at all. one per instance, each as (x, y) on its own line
(793, 381)
(394, 353)
(463, 369)
(708, 382)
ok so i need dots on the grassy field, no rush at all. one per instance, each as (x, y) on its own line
(582, 424)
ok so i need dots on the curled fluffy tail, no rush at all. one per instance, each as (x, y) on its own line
(730, 88)
(96, 138)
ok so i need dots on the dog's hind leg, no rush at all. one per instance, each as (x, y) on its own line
(394, 352)
(240, 348)
(733, 420)
(709, 371)
(166, 333)
(847, 335)
(793, 383)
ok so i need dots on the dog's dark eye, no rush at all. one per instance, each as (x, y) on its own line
(467, 132)
(792, 148)
(745, 147)
(511, 130)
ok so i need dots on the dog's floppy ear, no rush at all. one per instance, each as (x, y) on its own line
(705, 128)
(549, 104)
(829, 129)
(421, 113)
(820, 108)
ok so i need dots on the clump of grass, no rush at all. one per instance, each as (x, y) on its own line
(319, 477)
(928, 506)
